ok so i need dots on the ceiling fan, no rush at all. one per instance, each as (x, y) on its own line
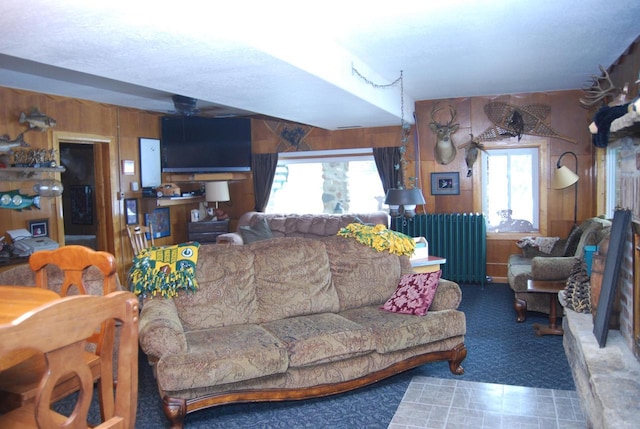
(188, 106)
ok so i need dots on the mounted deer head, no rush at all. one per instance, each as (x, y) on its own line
(444, 150)
(599, 88)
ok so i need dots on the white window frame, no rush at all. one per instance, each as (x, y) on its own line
(541, 182)
(611, 181)
(322, 156)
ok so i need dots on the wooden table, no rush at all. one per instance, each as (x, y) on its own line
(552, 288)
(428, 264)
(14, 302)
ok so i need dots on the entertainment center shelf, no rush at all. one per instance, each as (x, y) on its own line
(150, 203)
(204, 177)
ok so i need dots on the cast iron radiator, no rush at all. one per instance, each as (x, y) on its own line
(461, 238)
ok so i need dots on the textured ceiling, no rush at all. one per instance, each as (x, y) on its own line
(296, 60)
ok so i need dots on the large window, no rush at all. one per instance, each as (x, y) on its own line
(510, 184)
(326, 182)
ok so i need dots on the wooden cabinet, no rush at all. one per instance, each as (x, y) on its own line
(207, 231)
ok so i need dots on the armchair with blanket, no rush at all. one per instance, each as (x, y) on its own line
(543, 260)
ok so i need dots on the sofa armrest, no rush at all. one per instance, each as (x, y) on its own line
(230, 238)
(448, 296)
(552, 268)
(160, 330)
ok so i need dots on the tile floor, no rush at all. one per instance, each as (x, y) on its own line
(447, 404)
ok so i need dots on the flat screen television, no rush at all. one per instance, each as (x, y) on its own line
(192, 144)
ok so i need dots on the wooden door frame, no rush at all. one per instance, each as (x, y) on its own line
(107, 206)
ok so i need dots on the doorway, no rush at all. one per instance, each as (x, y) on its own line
(78, 205)
(87, 206)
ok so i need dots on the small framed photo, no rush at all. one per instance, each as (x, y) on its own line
(131, 210)
(445, 183)
(39, 228)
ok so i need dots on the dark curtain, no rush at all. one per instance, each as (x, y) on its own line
(263, 166)
(388, 164)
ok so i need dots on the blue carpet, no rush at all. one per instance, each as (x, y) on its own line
(499, 351)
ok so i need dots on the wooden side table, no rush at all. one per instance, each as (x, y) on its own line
(428, 264)
(551, 288)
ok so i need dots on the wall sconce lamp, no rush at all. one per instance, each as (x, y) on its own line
(402, 202)
(214, 192)
(563, 178)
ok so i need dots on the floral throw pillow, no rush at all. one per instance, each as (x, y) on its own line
(414, 294)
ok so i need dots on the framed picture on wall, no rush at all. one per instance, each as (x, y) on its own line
(160, 222)
(131, 210)
(445, 183)
(39, 228)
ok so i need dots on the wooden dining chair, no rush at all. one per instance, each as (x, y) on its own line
(18, 384)
(138, 237)
(58, 331)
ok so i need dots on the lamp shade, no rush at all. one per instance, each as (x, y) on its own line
(564, 178)
(404, 197)
(216, 191)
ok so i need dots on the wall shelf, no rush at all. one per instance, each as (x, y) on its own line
(204, 177)
(27, 173)
(150, 203)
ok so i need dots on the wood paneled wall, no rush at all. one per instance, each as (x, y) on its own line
(125, 126)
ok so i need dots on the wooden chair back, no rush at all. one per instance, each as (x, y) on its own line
(59, 330)
(73, 260)
(138, 237)
(18, 385)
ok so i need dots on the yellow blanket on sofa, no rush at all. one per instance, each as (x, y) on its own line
(165, 270)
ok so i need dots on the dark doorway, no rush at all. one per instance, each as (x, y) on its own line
(78, 198)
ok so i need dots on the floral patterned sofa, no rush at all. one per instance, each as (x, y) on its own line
(294, 318)
(257, 224)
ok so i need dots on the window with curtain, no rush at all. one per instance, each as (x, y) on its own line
(337, 181)
(510, 189)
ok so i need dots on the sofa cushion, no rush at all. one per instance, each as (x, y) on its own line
(362, 275)
(320, 338)
(292, 282)
(394, 331)
(571, 244)
(414, 294)
(226, 294)
(259, 231)
(223, 355)
(517, 259)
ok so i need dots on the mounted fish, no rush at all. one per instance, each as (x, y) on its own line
(471, 151)
(14, 200)
(513, 121)
(444, 150)
(6, 144)
(37, 120)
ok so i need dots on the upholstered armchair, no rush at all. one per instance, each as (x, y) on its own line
(555, 264)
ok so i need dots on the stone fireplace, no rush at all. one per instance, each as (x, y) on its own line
(608, 379)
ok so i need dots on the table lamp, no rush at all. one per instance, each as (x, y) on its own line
(214, 192)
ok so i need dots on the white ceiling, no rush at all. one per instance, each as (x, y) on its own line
(295, 60)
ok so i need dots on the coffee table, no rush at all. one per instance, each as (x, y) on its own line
(551, 288)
